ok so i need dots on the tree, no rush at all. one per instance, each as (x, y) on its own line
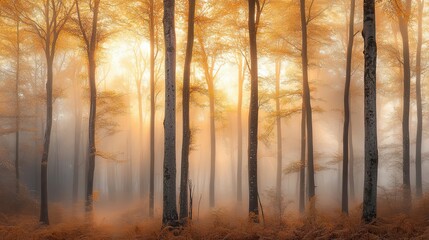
(369, 212)
(169, 215)
(420, 5)
(88, 26)
(253, 115)
(307, 104)
(152, 39)
(345, 194)
(186, 123)
(403, 13)
(207, 56)
(47, 22)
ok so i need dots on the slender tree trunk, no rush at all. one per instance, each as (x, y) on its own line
(77, 136)
(17, 106)
(279, 140)
(351, 164)
(308, 111)
(91, 52)
(302, 161)
(44, 217)
(369, 212)
(345, 192)
(91, 130)
(141, 163)
(184, 177)
(212, 142)
(169, 216)
(152, 108)
(240, 132)
(253, 117)
(403, 26)
(420, 4)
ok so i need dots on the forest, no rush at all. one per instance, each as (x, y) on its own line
(203, 119)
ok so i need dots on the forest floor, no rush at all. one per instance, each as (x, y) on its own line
(22, 223)
(19, 220)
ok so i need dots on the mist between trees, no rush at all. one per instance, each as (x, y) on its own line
(262, 107)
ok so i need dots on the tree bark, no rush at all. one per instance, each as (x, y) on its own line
(420, 4)
(169, 216)
(184, 177)
(403, 15)
(253, 117)
(369, 212)
(345, 192)
(308, 110)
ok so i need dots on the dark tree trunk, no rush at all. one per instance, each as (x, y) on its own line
(169, 215)
(279, 140)
(184, 177)
(253, 117)
(351, 164)
(44, 217)
(403, 26)
(308, 110)
(420, 4)
(91, 130)
(91, 54)
(345, 192)
(369, 212)
(302, 162)
(17, 106)
(152, 108)
(240, 132)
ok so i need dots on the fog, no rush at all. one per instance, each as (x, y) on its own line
(124, 94)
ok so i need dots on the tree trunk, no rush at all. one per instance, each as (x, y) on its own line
(420, 4)
(91, 131)
(403, 26)
(184, 177)
(44, 217)
(345, 192)
(91, 51)
(302, 162)
(212, 142)
(253, 118)
(77, 136)
(17, 106)
(240, 132)
(308, 111)
(152, 109)
(141, 163)
(279, 140)
(169, 216)
(351, 163)
(369, 212)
